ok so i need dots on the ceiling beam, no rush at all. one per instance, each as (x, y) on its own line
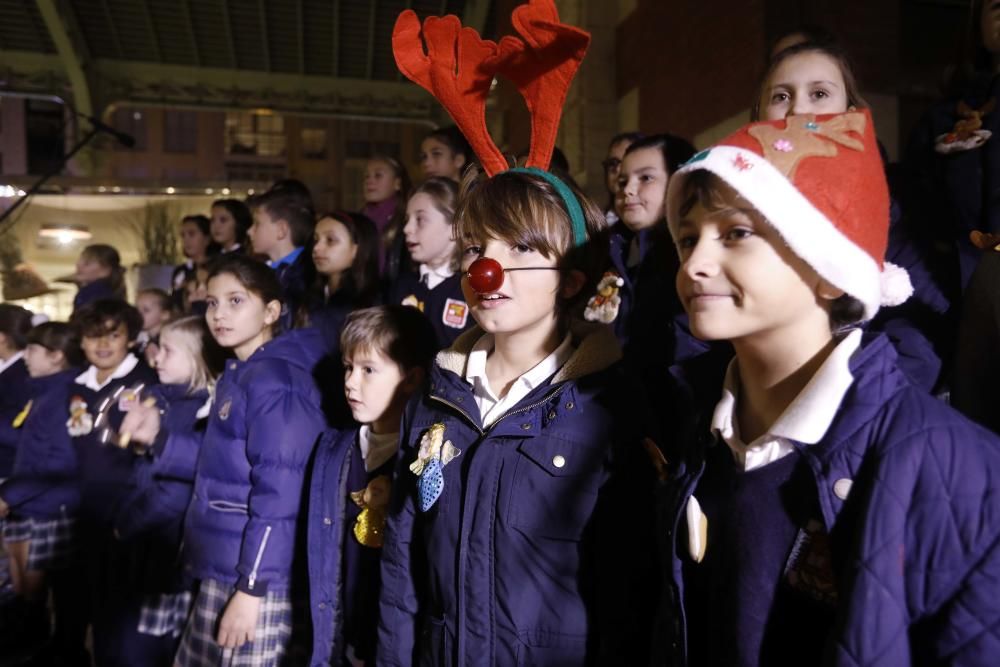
(372, 13)
(186, 9)
(154, 38)
(302, 36)
(264, 41)
(69, 56)
(111, 28)
(335, 69)
(229, 34)
(475, 14)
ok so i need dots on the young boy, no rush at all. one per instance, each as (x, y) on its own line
(99, 400)
(387, 351)
(827, 511)
(283, 222)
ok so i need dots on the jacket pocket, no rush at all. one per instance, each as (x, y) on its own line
(435, 644)
(555, 488)
(551, 649)
(229, 506)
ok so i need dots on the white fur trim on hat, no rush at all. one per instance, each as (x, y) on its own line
(809, 233)
(896, 285)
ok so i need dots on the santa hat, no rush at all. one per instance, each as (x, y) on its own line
(820, 183)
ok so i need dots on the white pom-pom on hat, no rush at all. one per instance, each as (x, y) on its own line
(896, 285)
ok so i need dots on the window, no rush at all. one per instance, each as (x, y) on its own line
(131, 121)
(180, 131)
(314, 143)
(255, 133)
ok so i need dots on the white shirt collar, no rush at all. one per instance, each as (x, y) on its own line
(89, 377)
(492, 407)
(4, 365)
(376, 449)
(434, 277)
(807, 418)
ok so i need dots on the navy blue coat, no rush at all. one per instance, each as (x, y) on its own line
(95, 291)
(44, 481)
(13, 395)
(444, 306)
(106, 470)
(536, 551)
(295, 279)
(163, 479)
(241, 525)
(916, 544)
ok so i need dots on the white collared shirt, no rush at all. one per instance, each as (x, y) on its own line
(4, 365)
(805, 420)
(88, 378)
(492, 407)
(376, 448)
(434, 277)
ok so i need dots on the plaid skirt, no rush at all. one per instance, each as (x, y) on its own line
(164, 614)
(272, 636)
(53, 543)
(16, 528)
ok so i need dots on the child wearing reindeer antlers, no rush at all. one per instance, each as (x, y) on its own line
(519, 525)
(826, 511)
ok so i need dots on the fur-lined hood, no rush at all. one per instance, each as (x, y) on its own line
(596, 349)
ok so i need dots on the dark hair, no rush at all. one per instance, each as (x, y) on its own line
(255, 276)
(15, 323)
(165, 302)
(58, 337)
(104, 316)
(453, 138)
(809, 33)
(974, 62)
(402, 333)
(241, 214)
(630, 136)
(284, 202)
(714, 194)
(520, 207)
(398, 171)
(675, 150)
(202, 221)
(108, 257)
(359, 285)
(831, 50)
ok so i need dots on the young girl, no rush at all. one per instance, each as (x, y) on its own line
(231, 219)
(197, 247)
(511, 488)
(99, 275)
(345, 253)
(156, 309)
(41, 495)
(169, 424)
(15, 323)
(239, 533)
(436, 287)
(387, 185)
(808, 78)
(612, 165)
(444, 153)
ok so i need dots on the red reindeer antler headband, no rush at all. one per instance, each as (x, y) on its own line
(459, 66)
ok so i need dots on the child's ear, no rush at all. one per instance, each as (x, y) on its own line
(272, 311)
(284, 229)
(573, 281)
(827, 291)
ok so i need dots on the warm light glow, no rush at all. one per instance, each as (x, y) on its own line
(102, 189)
(7, 191)
(116, 189)
(171, 190)
(249, 191)
(65, 234)
(209, 191)
(225, 191)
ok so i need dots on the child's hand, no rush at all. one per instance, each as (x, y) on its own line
(239, 620)
(150, 353)
(4, 509)
(141, 423)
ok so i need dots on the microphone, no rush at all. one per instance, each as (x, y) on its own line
(126, 140)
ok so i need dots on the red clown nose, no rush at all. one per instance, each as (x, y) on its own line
(485, 275)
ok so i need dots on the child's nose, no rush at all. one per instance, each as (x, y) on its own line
(701, 262)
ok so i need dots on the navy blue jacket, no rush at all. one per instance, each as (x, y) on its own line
(536, 551)
(295, 279)
(162, 480)
(13, 395)
(444, 306)
(241, 525)
(44, 481)
(95, 291)
(916, 543)
(105, 469)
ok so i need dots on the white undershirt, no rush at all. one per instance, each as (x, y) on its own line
(491, 406)
(88, 378)
(13, 359)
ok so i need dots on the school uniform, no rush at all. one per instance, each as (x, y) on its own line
(14, 391)
(437, 293)
(514, 535)
(295, 273)
(95, 291)
(115, 569)
(348, 501)
(240, 529)
(861, 529)
(152, 516)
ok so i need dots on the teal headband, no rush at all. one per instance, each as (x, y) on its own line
(572, 203)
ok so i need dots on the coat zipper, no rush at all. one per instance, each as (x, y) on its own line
(260, 554)
(548, 397)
